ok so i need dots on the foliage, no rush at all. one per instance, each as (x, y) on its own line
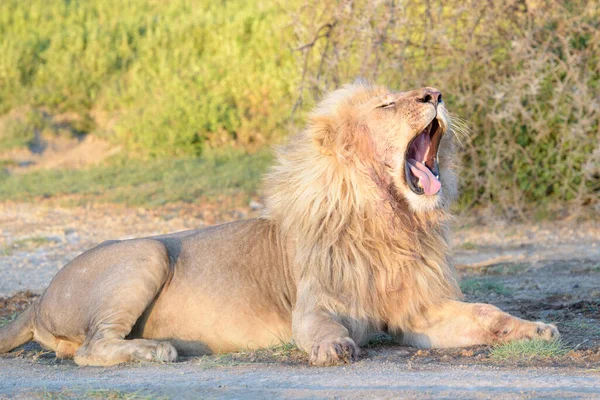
(525, 75)
(161, 77)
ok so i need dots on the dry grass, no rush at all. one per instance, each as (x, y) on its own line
(92, 394)
(282, 353)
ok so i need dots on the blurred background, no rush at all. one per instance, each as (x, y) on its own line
(149, 102)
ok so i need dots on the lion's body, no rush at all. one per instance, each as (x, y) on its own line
(348, 246)
(219, 289)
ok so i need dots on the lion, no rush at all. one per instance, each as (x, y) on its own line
(354, 241)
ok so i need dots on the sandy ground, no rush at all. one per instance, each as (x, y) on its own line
(548, 271)
(367, 379)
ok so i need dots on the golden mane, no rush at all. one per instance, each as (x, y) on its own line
(353, 235)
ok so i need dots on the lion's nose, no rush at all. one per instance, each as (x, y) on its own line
(430, 95)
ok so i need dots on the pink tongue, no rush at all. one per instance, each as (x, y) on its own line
(431, 185)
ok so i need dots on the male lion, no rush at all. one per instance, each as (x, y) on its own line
(354, 241)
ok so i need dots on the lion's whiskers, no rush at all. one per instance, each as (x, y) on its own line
(460, 127)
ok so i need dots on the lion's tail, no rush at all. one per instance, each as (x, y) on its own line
(18, 332)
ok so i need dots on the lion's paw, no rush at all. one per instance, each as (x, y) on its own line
(546, 331)
(334, 352)
(164, 352)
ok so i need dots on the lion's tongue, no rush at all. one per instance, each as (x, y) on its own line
(430, 184)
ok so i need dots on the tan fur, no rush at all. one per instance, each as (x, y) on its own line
(371, 256)
(345, 249)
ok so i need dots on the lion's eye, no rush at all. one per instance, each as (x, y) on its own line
(387, 105)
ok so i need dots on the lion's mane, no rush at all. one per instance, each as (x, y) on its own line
(374, 259)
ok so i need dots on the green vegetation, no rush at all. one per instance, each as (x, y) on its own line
(507, 269)
(525, 77)
(25, 244)
(526, 350)
(160, 77)
(135, 182)
(280, 353)
(94, 394)
(468, 246)
(7, 320)
(483, 286)
(179, 79)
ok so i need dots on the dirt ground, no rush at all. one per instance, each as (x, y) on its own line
(548, 271)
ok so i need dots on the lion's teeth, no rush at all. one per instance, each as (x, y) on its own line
(437, 177)
(423, 162)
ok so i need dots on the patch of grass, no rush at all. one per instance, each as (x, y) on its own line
(35, 240)
(93, 394)
(507, 269)
(7, 320)
(479, 286)
(281, 353)
(153, 182)
(24, 244)
(468, 246)
(525, 350)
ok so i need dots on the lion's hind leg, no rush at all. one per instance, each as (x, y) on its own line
(121, 297)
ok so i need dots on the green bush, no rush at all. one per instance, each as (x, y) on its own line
(167, 76)
(524, 76)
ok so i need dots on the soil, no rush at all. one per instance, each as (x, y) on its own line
(541, 271)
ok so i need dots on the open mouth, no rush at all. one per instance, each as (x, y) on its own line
(421, 168)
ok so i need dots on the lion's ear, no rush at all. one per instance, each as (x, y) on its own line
(340, 136)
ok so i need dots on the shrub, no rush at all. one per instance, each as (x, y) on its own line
(165, 77)
(525, 76)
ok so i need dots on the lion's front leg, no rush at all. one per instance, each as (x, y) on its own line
(458, 324)
(319, 333)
